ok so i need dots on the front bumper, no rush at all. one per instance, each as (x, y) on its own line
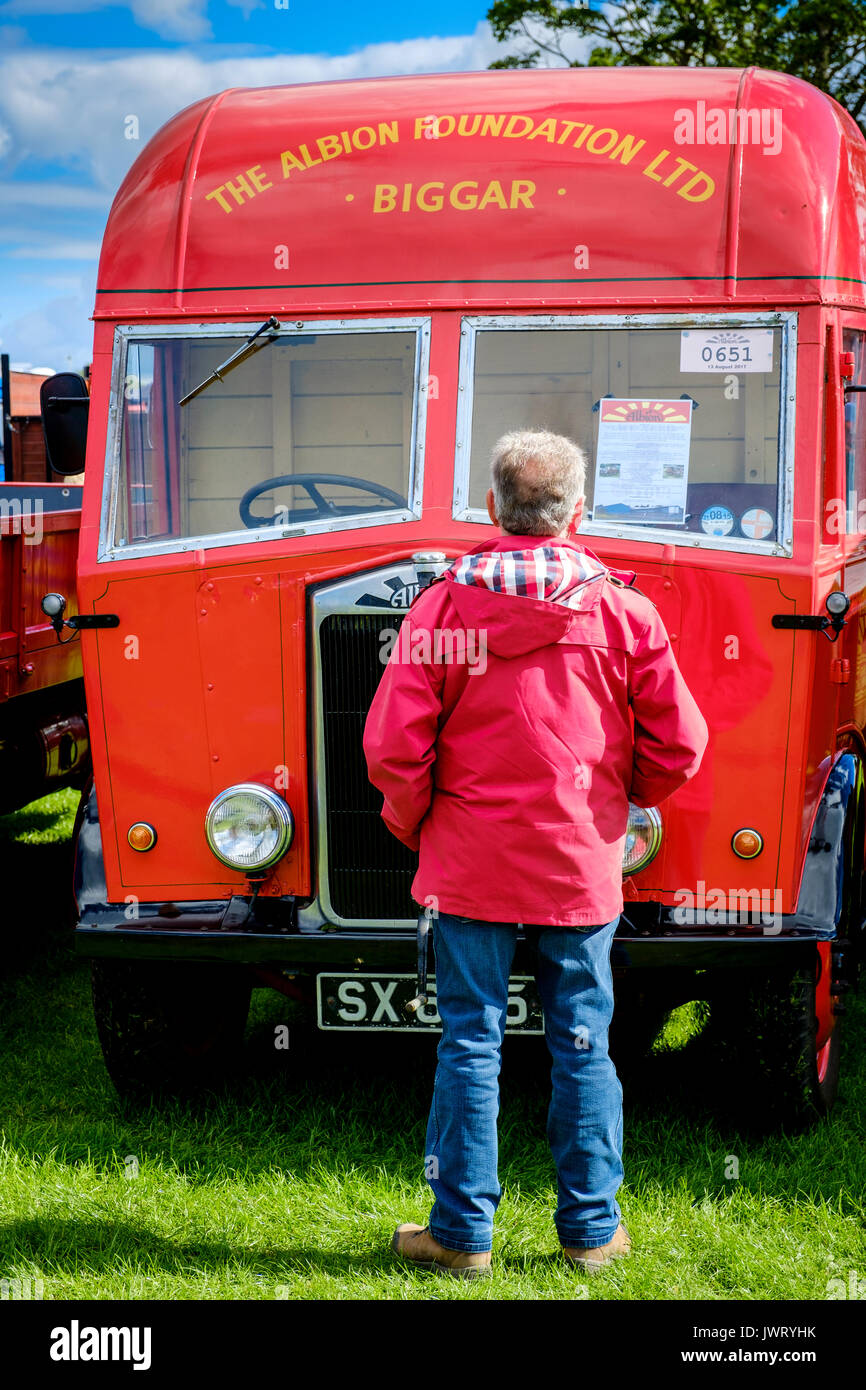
(226, 931)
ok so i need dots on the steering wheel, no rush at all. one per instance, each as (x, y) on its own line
(308, 481)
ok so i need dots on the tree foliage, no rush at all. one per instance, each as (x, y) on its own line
(822, 41)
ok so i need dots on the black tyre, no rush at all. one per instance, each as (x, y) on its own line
(637, 1021)
(766, 1033)
(169, 1028)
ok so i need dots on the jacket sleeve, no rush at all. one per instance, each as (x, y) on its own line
(400, 736)
(670, 733)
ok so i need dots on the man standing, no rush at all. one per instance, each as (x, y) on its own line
(511, 776)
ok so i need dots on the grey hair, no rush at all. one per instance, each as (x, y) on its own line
(541, 504)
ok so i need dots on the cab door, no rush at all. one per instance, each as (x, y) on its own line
(851, 648)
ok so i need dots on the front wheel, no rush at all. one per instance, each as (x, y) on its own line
(780, 1042)
(638, 1018)
(169, 1028)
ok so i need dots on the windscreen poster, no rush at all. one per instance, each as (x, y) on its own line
(642, 461)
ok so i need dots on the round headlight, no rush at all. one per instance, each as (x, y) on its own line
(249, 827)
(642, 838)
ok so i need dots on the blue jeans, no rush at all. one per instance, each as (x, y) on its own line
(584, 1127)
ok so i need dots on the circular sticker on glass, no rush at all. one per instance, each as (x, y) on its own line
(756, 524)
(717, 521)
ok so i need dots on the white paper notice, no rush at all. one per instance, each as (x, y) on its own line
(642, 462)
(726, 350)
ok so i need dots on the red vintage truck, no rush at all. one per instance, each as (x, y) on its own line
(43, 730)
(317, 308)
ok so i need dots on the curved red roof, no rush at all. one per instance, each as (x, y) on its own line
(566, 186)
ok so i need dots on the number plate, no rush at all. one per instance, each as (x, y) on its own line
(374, 1002)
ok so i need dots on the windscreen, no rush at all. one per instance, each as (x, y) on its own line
(681, 427)
(309, 430)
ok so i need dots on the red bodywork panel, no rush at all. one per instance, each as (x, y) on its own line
(234, 177)
(38, 554)
(236, 184)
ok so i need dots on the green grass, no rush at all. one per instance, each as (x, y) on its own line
(289, 1184)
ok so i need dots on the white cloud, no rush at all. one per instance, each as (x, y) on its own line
(249, 5)
(73, 103)
(171, 19)
(57, 251)
(56, 331)
(70, 106)
(52, 195)
(67, 283)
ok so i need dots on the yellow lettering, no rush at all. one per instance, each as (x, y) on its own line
(627, 149)
(257, 176)
(568, 127)
(385, 197)
(493, 194)
(709, 190)
(218, 194)
(521, 192)
(510, 133)
(546, 128)
(438, 198)
(388, 131)
(329, 146)
(240, 189)
(683, 165)
(471, 199)
(365, 130)
(461, 125)
(309, 162)
(290, 161)
(653, 165)
(597, 135)
(492, 125)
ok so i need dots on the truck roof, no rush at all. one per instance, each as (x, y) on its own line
(545, 187)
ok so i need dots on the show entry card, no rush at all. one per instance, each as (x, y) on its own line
(642, 462)
(726, 350)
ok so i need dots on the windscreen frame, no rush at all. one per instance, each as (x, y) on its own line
(781, 545)
(127, 334)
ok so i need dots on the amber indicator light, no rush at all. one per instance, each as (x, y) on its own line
(747, 843)
(141, 835)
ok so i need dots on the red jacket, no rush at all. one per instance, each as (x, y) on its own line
(511, 770)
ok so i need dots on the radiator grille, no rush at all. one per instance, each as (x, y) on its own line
(369, 871)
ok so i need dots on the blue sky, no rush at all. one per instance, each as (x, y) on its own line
(72, 70)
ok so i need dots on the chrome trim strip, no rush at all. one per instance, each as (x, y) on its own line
(125, 333)
(326, 600)
(786, 321)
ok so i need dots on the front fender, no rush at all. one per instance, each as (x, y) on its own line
(830, 889)
(88, 882)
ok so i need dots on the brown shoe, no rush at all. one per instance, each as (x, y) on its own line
(415, 1243)
(592, 1260)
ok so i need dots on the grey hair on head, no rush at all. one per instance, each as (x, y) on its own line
(538, 478)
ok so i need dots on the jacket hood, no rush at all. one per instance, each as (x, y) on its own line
(523, 592)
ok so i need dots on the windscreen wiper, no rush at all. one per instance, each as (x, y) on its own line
(244, 351)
